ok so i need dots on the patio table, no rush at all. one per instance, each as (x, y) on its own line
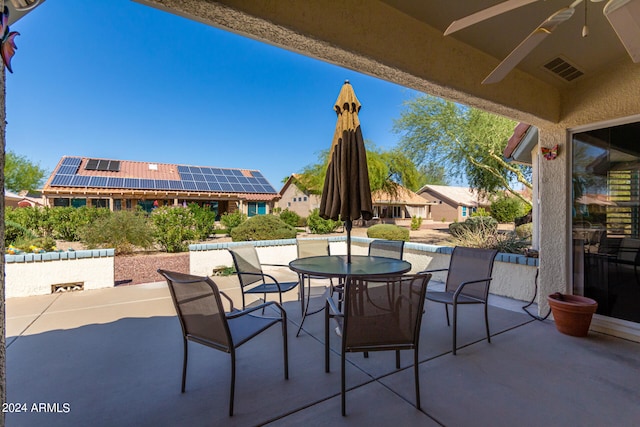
(336, 266)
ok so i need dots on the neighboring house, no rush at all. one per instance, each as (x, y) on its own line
(399, 208)
(448, 204)
(123, 184)
(296, 200)
(21, 200)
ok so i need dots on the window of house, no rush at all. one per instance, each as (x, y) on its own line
(305, 198)
(117, 205)
(397, 212)
(256, 208)
(464, 211)
(61, 202)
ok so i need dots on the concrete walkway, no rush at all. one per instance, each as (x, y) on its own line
(113, 357)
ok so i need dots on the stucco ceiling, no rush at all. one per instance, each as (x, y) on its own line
(499, 35)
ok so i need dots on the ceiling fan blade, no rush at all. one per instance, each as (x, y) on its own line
(528, 44)
(624, 17)
(485, 14)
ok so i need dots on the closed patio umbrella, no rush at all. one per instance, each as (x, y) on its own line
(346, 194)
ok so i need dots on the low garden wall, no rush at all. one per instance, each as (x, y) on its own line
(513, 275)
(41, 274)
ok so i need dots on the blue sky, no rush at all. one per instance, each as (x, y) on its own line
(117, 79)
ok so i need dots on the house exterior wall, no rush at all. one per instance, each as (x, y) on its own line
(297, 201)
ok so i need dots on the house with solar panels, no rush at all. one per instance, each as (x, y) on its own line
(123, 184)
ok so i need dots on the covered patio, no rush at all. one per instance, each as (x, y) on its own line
(114, 357)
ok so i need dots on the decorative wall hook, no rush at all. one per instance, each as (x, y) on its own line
(550, 153)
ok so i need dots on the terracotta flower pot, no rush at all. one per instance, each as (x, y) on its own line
(572, 313)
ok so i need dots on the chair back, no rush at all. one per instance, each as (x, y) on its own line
(312, 247)
(471, 264)
(387, 248)
(628, 251)
(199, 307)
(383, 313)
(247, 263)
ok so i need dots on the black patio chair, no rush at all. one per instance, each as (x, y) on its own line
(309, 248)
(203, 320)
(387, 248)
(468, 280)
(252, 279)
(381, 313)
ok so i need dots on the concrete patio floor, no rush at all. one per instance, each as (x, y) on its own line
(114, 356)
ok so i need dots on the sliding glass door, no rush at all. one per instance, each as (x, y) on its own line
(606, 218)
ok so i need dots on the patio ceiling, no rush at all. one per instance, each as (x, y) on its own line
(402, 41)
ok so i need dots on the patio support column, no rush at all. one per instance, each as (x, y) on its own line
(554, 217)
(3, 360)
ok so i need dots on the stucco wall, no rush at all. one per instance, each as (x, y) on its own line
(513, 274)
(34, 275)
(303, 207)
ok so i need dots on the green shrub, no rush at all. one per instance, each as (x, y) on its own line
(14, 231)
(205, 220)
(122, 230)
(174, 227)
(480, 212)
(506, 209)
(302, 222)
(488, 237)
(33, 218)
(524, 231)
(35, 244)
(416, 222)
(232, 220)
(319, 225)
(290, 217)
(388, 231)
(483, 224)
(263, 227)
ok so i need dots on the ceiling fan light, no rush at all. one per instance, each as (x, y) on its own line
(624, 17)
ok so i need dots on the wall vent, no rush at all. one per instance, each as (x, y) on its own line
(563, 69)
(67, 287)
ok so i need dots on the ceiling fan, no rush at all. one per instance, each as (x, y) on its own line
(623, 15)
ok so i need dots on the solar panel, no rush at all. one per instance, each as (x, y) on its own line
(243, 180)
(92, 165)
(214, 186)
(183, 169)
(61, 180)
(237, 172)
(98, 181)
(148, 184)
(131, 183)
(162, 184)
(233, 179)
(175, 185)
(248, 188)
(114, 166)
(207, 171)
(189, 185)
(222, 178)
(113, 182)
(198, 177)
(202, 186)
(269, 188)
(71, 161)
(194, 169)
(216, 171)
(211, 179)
(262, 181)
(257, 174)
(80, 181)
(68, 170)
(186, 176)
(226, 187)
(227, 172)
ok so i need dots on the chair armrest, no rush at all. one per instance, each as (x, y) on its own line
(228, 299)
(469, 282)
(244, 312)
(276, 265)
(432, 271)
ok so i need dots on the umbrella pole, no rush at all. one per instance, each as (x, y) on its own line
(348, 225)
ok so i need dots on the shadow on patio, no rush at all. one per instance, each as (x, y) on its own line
(114, 356)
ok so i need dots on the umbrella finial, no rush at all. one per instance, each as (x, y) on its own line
(347, 82)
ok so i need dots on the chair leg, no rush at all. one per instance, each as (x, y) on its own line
(417, 376)
(185, 355)
(397, 359)
(233, 381)
(455, 320)
(446, 310)
(326, 337)
(343, 385)
(486, 322)
(286, 346)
